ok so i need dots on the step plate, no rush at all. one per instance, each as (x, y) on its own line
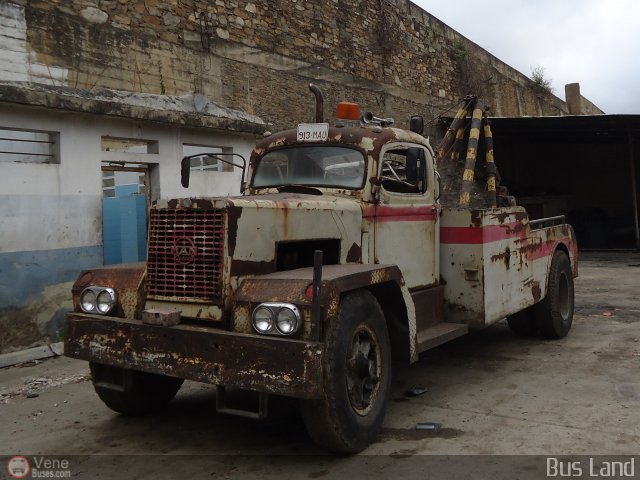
(439, 334)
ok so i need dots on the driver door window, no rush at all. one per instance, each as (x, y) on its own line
(402, 176)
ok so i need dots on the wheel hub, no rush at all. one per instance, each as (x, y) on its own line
(363, 369)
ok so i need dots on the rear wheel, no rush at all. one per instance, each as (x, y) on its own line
(554, 314)
(132, 392)
(357, 377)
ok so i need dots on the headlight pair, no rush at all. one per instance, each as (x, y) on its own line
(276, 319)
(98, 300)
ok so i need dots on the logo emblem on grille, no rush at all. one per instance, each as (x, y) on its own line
(184, 250)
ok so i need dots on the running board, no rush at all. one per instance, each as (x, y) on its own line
(439, 334)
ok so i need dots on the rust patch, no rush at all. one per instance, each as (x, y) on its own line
(501, 216)
(536, 291)
(84, 279)
(126, 279)
(504, 257)
(354, 254)
(233, 215)
(203, 203)
(261, 289)
(241, 268)
(250, 362)
(522, 216)
(476, 218)
(518, 227)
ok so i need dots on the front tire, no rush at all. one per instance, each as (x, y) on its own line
(131, 392)
(357, 377)
(554, 314)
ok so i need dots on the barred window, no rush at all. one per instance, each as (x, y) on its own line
(29, 146)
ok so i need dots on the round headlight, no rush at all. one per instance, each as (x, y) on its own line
(263, 319)
(106, 300)
(88, 300)
(287, 321)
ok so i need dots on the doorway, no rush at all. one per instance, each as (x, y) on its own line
(125, 203)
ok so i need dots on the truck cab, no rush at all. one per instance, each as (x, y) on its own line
(337, 257)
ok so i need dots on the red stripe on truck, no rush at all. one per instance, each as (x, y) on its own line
(478, 235)
(385, 213)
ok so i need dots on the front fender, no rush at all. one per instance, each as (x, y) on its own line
(291, 286)
(126, 279)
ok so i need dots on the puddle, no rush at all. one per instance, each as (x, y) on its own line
(404, 434)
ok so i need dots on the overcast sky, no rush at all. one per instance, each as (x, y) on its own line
(593, 42)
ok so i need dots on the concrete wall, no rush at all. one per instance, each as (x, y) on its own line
(51, 214)
(258, 56)
(578, 104)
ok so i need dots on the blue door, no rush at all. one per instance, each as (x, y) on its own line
(124, 225)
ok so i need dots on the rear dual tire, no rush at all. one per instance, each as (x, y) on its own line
(553, 316)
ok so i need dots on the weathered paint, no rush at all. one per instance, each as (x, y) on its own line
(270, 365)
(491, 166)
(50, 214)
(509, 261)
(369, 140)
(470, 162)
(492, 264)
(125, 279)
(291, 287)
(406, 226)
(25, 274)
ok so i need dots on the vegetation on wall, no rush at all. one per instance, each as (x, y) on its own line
(539, 83)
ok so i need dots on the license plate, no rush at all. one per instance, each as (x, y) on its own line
(313, 132)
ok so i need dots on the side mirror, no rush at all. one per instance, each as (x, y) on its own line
(415, 166)
(185, 171)
(416, 124)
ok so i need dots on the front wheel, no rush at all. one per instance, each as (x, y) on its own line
(554, 314)
(357, 377)
(132, 392)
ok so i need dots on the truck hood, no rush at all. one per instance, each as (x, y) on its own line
(256, 224)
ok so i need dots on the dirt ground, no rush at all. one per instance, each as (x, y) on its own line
(494, 393)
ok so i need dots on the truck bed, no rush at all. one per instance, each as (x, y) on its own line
(493, 263)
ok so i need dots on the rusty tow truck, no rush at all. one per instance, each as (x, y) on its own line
(337, 258)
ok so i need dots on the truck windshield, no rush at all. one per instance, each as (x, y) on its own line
(312, 165)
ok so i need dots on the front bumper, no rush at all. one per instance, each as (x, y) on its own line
(250, 362)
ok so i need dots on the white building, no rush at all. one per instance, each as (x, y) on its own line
(62, 152)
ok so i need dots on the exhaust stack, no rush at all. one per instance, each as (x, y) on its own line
(319, 103)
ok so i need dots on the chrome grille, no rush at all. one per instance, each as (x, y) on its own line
(186, 253)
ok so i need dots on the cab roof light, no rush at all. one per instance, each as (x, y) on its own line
(348, 111)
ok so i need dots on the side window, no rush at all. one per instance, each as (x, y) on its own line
(208, 162)
(29, 146)
(404, 170)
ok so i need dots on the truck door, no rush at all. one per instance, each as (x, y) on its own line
(406, 216)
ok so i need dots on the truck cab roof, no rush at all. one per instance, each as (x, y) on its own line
(369, 138)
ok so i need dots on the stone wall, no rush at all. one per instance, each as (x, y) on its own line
(259, 55)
